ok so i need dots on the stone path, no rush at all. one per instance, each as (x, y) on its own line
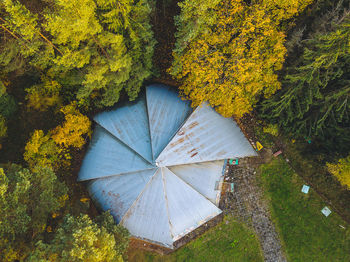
(247, 204)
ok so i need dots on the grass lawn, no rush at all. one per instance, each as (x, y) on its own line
(307, 235)
(228, 241)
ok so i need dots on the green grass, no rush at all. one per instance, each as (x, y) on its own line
(307, 234)
(228, 241)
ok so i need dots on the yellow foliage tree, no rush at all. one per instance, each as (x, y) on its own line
(341, 171)
(74, 128)
(233, 61)
(42, 151)
(41, 96)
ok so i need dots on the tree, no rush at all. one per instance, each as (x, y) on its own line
(24, 39)
(44, 95)
(341, 171)
(232, 60)
(27, 200)
(8, 107)
(41, 150)
(94, 49)
(315, 99)
(73, 130)
(81, 239)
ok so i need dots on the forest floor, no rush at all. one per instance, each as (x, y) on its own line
(164, 32)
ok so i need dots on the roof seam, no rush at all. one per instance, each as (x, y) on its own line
(149, 125)
(139, 196)
(184, 122)
(124, 144)
(191, 186)
(115, 175)
(166, 205)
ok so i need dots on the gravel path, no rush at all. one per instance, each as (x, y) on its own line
(248, 205)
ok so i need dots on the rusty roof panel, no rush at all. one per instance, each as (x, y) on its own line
(202, 177)
(117, 193)
(130, 125)
(107, 156)
(147, 218)
(166, 113)
(205, 136)
(187, 208)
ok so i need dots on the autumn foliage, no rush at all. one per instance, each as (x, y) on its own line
(341, 170)
(233, 57)
(74, 130)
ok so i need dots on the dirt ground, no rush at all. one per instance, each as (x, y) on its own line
(247, 204)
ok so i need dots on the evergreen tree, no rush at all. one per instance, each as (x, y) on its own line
(315, 99)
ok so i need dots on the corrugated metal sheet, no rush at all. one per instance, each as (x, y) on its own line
(148, 218)
(166, 113)
(187, 208)
(117, 193)
(202, 177)
(107, 156)
(205, 136)
(130, 125)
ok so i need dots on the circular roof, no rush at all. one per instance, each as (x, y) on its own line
(156, 164)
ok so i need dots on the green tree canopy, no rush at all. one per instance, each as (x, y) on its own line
(81, 239)
(94, 49)
(315, 99)
(27, 200)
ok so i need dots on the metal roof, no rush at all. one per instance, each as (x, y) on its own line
(166, 114)
(131, 130)
(205, 136)
(156, 164)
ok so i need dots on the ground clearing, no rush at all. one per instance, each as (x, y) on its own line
(228, 241)
(307, 235)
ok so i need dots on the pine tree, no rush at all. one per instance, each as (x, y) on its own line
(315, 99)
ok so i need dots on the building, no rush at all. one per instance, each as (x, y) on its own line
(156, 164)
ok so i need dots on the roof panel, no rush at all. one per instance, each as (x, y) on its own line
(166, 113)
(202, 177)
(187, 208)
(205, 136)
(129, 124)
(107, 156)
(147, 218)
(117, 193)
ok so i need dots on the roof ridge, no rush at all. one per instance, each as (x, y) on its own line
(139, 196)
